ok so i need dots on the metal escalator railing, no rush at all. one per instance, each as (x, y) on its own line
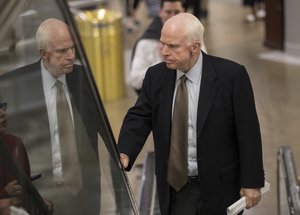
(288, 193)
(147, 197)
(106, 189)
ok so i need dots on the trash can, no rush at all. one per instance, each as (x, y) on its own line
(101, 34)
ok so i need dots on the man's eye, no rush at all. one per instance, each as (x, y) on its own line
(62, 51)
(170, 46)
(59, 50)
(173, 46)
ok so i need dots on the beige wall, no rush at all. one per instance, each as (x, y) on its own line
(292, 29)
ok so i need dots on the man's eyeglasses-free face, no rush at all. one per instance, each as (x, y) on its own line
(3, 105)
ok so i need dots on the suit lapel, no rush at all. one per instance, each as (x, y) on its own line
(167, 100)
(208, 91)
(36, 84)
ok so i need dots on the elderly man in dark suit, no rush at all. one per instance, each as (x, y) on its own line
(205, 105)
(56, 114)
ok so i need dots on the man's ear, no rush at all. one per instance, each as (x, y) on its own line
(44, 54)
(196, 48)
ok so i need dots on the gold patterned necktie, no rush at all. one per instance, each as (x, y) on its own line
(67, 141)
(178, 155)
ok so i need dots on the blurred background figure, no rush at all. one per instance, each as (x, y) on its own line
(11, 192)
(199, 8)
(203, 9)
(131, 21)
(146, 49)
(255, 10)
(132, 6)
(153, 7)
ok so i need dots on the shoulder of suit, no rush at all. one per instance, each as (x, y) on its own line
(77, 70)
(160, 68)
(22, 70)
(159, 72)
(225, 69)
(78, 67)
(220, 60)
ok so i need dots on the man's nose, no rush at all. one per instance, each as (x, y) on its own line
(70, 54)
(164, 50)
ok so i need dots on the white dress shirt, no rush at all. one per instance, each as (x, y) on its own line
(50, 98)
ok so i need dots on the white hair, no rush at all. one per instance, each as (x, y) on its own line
(193, 29)
(43, 34)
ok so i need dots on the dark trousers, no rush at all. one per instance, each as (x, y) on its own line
(187, 201)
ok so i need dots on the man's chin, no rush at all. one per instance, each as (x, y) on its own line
(68, 69)
(170, 65)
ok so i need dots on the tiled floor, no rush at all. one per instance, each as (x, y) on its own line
(275, 83)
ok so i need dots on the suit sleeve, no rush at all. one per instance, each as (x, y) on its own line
(248, 132)
(137, 124)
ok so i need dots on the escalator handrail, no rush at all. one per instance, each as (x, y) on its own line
(286, 167)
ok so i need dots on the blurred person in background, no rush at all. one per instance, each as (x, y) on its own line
(199, 8)
(145, 52)
(255, 10)
(131, 21)
(11, 192)
(10, 189)
(204, 9)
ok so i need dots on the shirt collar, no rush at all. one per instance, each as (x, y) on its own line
(49, 80)
(194, 75)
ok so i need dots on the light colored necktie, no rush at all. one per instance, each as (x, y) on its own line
(178, 155)
(69, 154)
